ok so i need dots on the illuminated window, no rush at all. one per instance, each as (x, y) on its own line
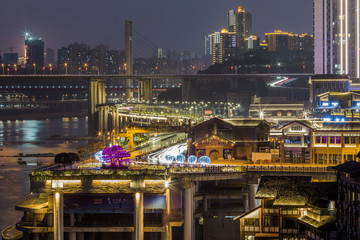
(296, 128)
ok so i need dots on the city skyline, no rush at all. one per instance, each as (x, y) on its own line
(97, 20)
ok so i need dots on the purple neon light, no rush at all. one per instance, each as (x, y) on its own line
(116, 156)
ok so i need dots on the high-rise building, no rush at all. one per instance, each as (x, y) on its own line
(242, 27)
(50, 57)
(223, 46)
(337, 37)
(208, 44)
(11, 59)
(252, 43)
(34, 53)
(287, 41)
(231, 21)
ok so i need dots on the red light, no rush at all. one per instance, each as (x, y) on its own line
(232, 68)
(156, 68)
(193, 67)
(269, 66)
(79, 68)
(50, 69)
(85, 69)
(43, 68)
(119, 68)
(303, 66)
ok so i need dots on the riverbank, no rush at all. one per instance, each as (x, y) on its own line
(4, 116)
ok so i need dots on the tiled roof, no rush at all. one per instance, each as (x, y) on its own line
(306, 123)
(348, 167)
(291, 191)
(312, 222)
(330, 76)
(245, 122)
(340, 126)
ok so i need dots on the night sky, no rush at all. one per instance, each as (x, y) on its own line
(180, 24)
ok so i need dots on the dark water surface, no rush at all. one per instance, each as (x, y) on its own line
(29, 137)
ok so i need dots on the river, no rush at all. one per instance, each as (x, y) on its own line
(30, 137)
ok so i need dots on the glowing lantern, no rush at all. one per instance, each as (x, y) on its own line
(192, 159)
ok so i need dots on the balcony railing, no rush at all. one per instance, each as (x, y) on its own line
(271, 229)
(271, 210)
(251, 229)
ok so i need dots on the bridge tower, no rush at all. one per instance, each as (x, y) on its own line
(129, 57)
(96, 96)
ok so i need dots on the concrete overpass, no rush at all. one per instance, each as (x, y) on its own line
(97, 91)
(187, 193)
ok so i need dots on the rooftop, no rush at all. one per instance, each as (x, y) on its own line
(330, 76)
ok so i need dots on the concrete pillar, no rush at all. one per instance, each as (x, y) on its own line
(129, 57)
(252, 192)
(80, 236)
(140, 89)
(189, 90)
(106, 119)
(246, 203)
(139, 216)
(205, 204)
(188, 213)
(92, 236)
(92, 102)
(167, 235)
(147, 90)
(49, 219)
(72, 235)
(35, 236)
(58, 216)
(117, 120)
(96, 95)
(113, 119)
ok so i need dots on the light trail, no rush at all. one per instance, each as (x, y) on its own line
(160, 156)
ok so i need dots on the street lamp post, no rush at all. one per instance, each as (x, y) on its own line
(34, 68)
(3, 67)
(66, 68)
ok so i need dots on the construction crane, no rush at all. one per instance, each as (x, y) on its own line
(11, 48)
(2, 50)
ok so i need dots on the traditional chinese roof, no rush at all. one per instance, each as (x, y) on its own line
(348, 167)
(340, 126)
(305, 123)
(245, 122)
(290, 191)
(246, 213)
(317, 224)
(212, 136)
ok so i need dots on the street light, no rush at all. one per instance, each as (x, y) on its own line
(15, 68)
(3, 67)
(34, 68)
(66, 68)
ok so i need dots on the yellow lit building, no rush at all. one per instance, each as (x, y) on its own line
(223, 46)
(281, 41)
(323, 143)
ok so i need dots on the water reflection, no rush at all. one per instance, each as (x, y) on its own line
(30, 136)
